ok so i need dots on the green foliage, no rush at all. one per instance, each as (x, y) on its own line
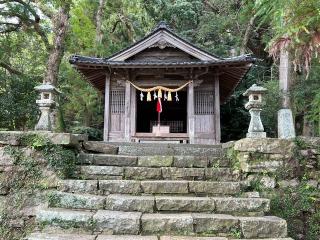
(93, 133)
(26, 179)
(235, 233)
(21, 183)
(270, 111)
(81, 104)
(17, 98)
(298, 207)
(61, 159)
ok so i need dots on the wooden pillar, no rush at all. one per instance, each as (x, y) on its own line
(106, 127)
(191, 112)
(217, 108)
(127, 112)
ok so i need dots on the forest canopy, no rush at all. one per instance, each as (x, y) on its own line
(37, 38)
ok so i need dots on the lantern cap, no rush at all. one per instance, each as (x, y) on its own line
(254, 89)
(47, 87)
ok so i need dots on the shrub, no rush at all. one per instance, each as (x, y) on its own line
(94, 134)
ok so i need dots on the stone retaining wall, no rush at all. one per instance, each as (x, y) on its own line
(25, 178)
(288, 173)
(276, 163)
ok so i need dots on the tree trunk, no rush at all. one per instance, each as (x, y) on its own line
(247, 35)
(60, 28)
(99, 17)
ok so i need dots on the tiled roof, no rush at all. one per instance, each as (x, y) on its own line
(75, 59)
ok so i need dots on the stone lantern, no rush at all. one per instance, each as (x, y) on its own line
(47, 104)
(254, 105)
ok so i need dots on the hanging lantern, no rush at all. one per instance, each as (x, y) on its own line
(169, 97)
(155, 95)
(177, 98)
(165, 96)
(141, 96)
(148, 97)
(159, 93)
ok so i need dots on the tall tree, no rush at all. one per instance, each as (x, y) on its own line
(296, 27)
(99, 19)
(60, 23)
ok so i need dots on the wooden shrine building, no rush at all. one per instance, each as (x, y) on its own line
(131, 79)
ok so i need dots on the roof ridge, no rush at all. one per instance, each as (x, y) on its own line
(162, 25)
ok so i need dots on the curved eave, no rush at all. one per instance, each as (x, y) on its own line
(231, 71)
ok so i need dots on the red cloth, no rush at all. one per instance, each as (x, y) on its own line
(159, 105)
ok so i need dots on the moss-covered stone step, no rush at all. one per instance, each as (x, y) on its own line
(150, 187)
(120, 223)
(169, 187)
(166, 173)
(76, 201)
(213, 224)
(52, 236)
(78, 186)
(126, 237)
(66, 218)
(111, 222)
(184, 161)
(107, 159)
(149, 204)
(57, 236)
(142, 149)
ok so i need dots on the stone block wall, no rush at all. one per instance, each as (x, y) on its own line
(276, 163)
(287, 172)
(27, 175)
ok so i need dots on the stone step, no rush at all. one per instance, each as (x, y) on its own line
(50, 236)
(153, 160)
(213, 224)
(149, 204)
(169, 187)
(57, 236)
(106, 187)
(166, 173)
(66, 218)
(76, 201)
(142, 149)
(134, 223)
(100, 147)
(107, 159)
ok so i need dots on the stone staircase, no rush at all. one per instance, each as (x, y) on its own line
(156, 191)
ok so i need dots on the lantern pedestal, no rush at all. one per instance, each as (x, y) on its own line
(256, 129)
(44, 122)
